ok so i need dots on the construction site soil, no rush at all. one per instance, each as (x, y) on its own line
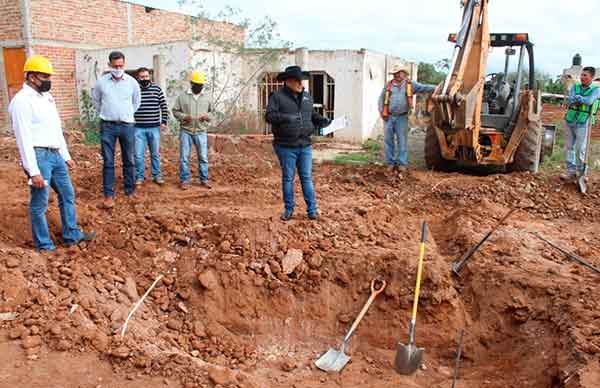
(247, 300)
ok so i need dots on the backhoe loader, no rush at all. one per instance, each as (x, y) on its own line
(486, 119)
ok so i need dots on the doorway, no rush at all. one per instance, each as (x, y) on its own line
(14, 60)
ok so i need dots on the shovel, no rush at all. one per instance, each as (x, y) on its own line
(334, 360)
(409, 357)
(581, 180)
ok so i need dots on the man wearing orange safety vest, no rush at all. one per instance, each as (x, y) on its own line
(395, 103)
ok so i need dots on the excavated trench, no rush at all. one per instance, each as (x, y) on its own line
(248, 301)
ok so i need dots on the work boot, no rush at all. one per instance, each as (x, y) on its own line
(132, 196)
(86, 236)
(159, 181)
(287, 215)
(206, 184)
(184, 185)
(313, 216)
(108, 203)
(568, 176)
(403, 168)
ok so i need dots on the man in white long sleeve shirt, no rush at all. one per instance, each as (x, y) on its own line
(44, 155)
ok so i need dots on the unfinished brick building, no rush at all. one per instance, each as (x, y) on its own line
(60, 28)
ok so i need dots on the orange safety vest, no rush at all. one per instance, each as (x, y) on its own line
(388, 96)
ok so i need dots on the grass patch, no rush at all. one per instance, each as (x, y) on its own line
(371, 153)
(357, 158)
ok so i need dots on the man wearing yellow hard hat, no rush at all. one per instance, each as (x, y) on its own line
(193, 110)
(44, 155)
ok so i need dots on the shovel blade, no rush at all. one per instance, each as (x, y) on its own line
(582, 184)
(332, 361)
(408, 359)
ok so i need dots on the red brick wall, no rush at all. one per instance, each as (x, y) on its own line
(104, 23)
(93, 22)
(552, 114)
(11, 24)
(63, 81)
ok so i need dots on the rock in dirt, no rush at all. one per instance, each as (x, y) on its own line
(175, 324)
(8, 316)
(32, 341)
(291, 260)
(199, 329)
(208, 280)
(130, 289)
(12, 262)
(288, 365)
(275, 267)
(315, 261)
(121, 352)
(64, 345)
(221, 376)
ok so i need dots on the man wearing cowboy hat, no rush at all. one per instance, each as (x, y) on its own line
(293, 118)
(395, 103)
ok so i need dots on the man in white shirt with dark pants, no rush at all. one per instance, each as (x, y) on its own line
(44, 155)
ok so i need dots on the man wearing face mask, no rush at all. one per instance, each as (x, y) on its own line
(44, 155)
(117, 97)
(293, 118)
(194, 111)
(150, 119)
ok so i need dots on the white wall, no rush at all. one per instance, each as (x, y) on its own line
(91, 64)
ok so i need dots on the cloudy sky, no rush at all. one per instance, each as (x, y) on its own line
(418, 29)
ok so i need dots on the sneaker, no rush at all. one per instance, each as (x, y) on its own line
(184, 185)
(139, 182)
(313, 216)
(159, 181)
(287, 215)
(108, 203)
(206, 184)
(131, 196)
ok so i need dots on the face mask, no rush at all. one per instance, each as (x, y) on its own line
(144, 83)
(117, 73)
(44, 86)
(196, 88)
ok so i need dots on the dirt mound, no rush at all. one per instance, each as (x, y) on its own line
(248, 301)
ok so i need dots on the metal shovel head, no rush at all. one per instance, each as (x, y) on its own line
(582, 184)
(332, 361)
(408, 358)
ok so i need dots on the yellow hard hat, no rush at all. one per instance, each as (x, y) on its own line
(39, 64)
(198, 77)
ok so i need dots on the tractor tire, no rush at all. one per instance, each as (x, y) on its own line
(529, 153)
(433, 153)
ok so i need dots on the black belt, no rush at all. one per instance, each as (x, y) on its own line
(398, 114)
(117, 122)
(49, 149)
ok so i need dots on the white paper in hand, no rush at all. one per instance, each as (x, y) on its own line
(336, 125)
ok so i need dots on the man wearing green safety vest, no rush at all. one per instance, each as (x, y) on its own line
(583, 101)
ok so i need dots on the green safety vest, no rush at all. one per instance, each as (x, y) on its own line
(581, 113)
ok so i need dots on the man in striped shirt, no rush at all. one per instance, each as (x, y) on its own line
(150, 119)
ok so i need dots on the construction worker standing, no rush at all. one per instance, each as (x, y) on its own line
(395, 103)
(193, 110)
(44, 155)
(583, 101)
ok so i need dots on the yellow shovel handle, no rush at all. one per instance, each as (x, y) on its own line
(419, 270)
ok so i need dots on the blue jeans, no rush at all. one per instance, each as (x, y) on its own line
(290, 159)
(200, 141)
(575, 146)
(151, 137)
(109, 134)
(396, 140)
(54, 170)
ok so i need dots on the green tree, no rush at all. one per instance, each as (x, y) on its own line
(432, 73)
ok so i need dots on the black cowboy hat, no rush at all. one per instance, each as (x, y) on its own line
(293, 72)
